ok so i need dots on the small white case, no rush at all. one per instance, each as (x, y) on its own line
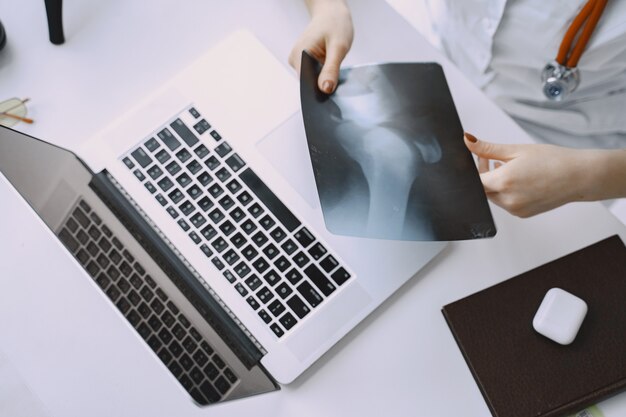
(559, 316)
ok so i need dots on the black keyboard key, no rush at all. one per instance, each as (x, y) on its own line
(216, 216)
(278, 234)
(309, 294)
(242, 269)
(283, 290)
(235, 162)
(152, 144)
(253, 303)
(318, 278)
(241, 290)
(205, 203)
(219, 244)
(183, 155)
(155, 323)
(208, 232)
(186, 362)
(248, 226)
(317, 251)
(259, 239)
(293, 276)
(176, 196)
(216, 135)
(264, 295)
(144, 310)
(222, 174)
(81, 217)
(205, 179)
(141, 157)
(272, 277)
(244, 198)
(267, 222)
(194, 167)
(150, 187)
(209, 392)
(234, 186)
(189, 344)
(296, 304)
(175, 369)
(194, 112)
(184, 132)
(202, 126)
(130, 164)
(223, 149)
(168, 139)
(276, 308)
(282, 264)
(249, 252)
(301, 259)
(165, 184)
(186, 207)
(277, 330)
(227, 228)
(230, 257)
(304, 237)
(144, 331)
(215, 190)
(201, 151)
(136, 281)
(282, 213)
(329, 263)
(200, 357)
(175, 348)
(139, 175)
(162, 156)
(172, 212)
(173, 168)
(71, 225)
(288, 321)
(194, 237)
(261, 265)
(133, 318)
(206, 250)
(253, 282)
(68, 240)
(222, 385)
(212, 162)
(154, 172)
(229, 276)
(198, 220)
(134, 298)
(230, 375)
(226, 202)
(184, 180)
(196, 375)
(237, 214)
(265, 316)
(256, 210)
(340, 276)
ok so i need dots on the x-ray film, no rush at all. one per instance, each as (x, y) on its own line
(388, 155)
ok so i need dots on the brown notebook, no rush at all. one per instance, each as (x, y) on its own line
(522, 373)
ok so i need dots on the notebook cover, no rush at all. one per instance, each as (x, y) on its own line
(522, 373)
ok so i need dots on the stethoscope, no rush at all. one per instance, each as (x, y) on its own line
(561, 77)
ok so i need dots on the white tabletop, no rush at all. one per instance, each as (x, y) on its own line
(402, 360)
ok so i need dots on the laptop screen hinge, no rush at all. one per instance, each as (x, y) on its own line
(174, 264)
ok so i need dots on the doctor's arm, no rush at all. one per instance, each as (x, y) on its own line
(328, 38)
(530, 179)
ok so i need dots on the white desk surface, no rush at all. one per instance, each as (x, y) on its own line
(401, 361)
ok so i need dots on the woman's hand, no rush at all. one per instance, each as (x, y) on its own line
(530, 179)
(328, 38)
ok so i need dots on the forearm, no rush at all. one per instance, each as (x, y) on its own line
(605, 175)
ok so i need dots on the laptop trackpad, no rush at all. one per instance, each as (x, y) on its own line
(287, 150)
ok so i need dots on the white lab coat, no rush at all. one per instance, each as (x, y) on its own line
(502, 46)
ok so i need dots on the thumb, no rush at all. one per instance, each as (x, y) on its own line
(329, 76)
(489, 150)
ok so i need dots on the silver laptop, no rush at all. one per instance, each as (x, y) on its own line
(196, 214)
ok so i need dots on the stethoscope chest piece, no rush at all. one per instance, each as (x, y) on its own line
(559, 81)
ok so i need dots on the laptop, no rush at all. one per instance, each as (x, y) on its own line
(196, 214)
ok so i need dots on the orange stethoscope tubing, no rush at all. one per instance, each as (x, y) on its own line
(588, 17)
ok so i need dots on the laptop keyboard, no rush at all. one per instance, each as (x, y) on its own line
(183, 350)
(236, 221)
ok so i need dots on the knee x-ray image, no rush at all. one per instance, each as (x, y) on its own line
(388, 155)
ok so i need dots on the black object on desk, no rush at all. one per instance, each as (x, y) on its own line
(54, 11)
(520, 372)
(3, 36)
